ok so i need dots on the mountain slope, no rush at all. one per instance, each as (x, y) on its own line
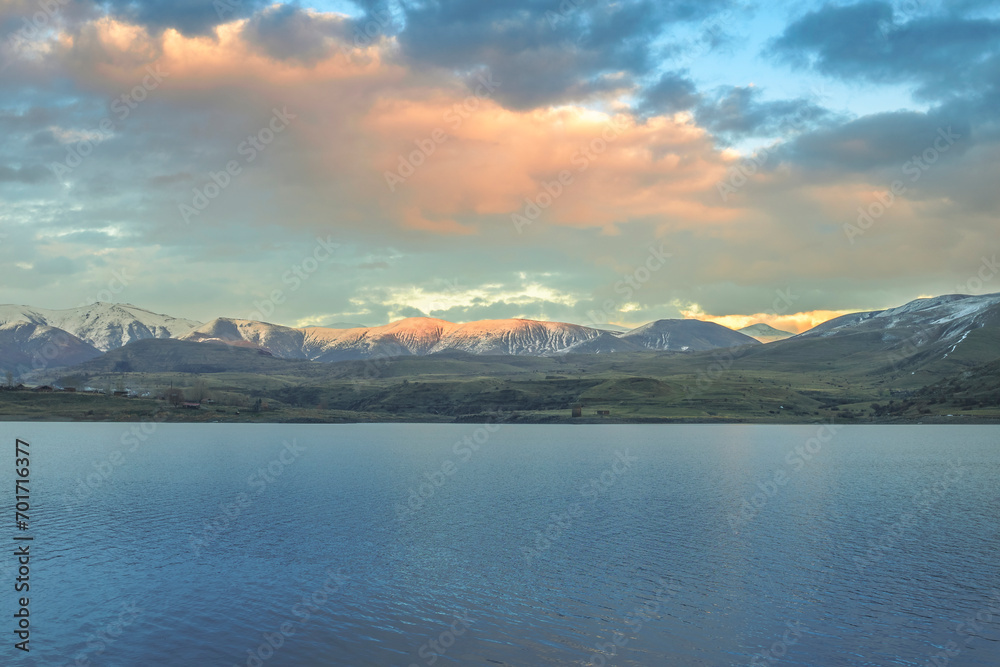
(280, 341)
(931, 337)
(514, 337)
(413, 335)
(686, 336)
(606, 343)
(26, 346)
(178, 356)
(410, 336)
(106, 326)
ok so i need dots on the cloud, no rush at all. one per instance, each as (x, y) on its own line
(289, 32)
(673, 92)
(867, 41)
(545, 52)
(792, 322)
(24, 174)
(189, 17)
(57, 265)
(880, 140)
(739, 112)
(497, 163)
(597, 93)
(455, 298)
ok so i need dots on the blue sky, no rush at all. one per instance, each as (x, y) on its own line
(835, 100)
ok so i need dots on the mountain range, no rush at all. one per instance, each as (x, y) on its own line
(931, 328)
(105, 326)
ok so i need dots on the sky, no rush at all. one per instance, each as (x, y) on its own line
(568, 160)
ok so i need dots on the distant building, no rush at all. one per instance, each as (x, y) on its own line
(44, 388)
(191, 406)
(578, 411)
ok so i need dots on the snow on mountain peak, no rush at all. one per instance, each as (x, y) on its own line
(106, 326)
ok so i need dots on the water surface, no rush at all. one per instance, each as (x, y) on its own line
(530, 545)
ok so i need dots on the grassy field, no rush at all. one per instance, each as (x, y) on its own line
(729, 386)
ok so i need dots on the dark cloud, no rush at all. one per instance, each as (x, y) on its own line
(190, 17)
(878, 140)
(948, 59)
(672, 93)
(869, 42)
(288, 32)
(739, 113)
(30, 174)
(545, 52)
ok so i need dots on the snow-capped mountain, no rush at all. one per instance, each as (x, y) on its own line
(941, 318)
(924, 330)
(26, 346)
(939, 335)
(280, 341)
(514, 337)
(765, 333)
(686, 336)
(410, 336)
(106, 326)
(426, 335)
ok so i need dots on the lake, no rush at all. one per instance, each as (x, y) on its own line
(385, 544)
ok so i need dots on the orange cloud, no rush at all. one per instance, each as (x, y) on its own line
(792, 322)
(454, 156)
(416, 149)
